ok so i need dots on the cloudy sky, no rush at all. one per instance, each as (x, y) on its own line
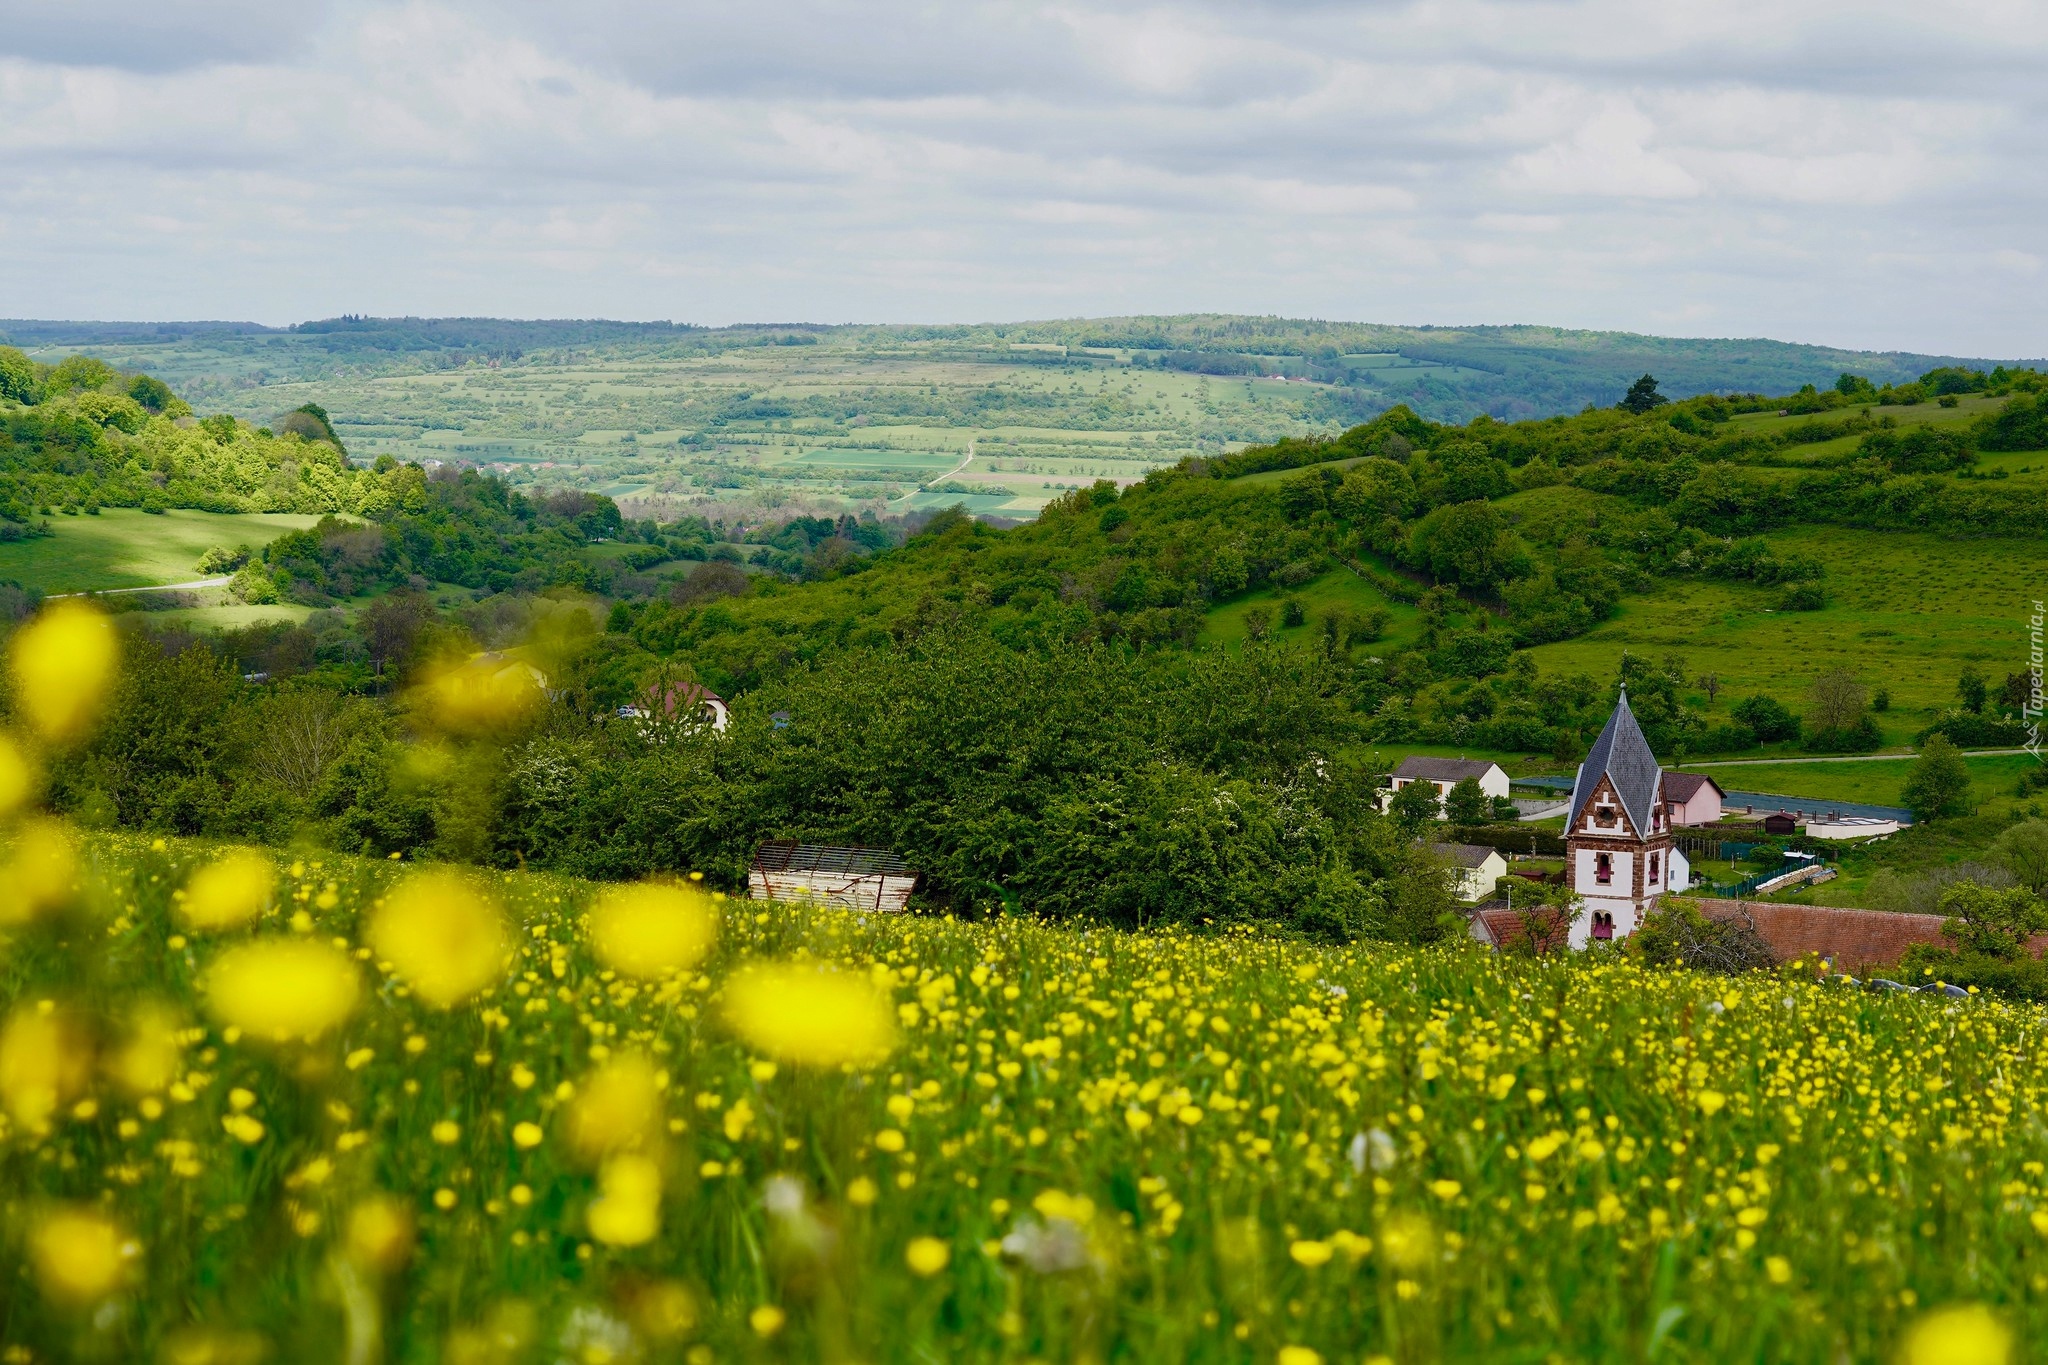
(1866, 174)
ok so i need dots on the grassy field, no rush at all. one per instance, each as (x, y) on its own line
(846, 423)
(1879, 782)
(1002, 1142)
(1338, 589)
(1906, 612)
(125, 548)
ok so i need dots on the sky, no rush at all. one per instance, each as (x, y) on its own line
(1867, 174)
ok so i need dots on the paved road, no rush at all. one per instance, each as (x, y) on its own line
(159, 587)
(1843, 758)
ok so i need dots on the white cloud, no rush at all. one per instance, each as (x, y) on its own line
(1732, 167)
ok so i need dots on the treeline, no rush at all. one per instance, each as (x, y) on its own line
(1132, 789)
(80, 435)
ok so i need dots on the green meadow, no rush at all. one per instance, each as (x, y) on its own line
(1907, 612)
(1337, 589)
(126, 548)
(1878, 782)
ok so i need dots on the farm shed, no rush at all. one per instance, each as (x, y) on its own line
(851, 878)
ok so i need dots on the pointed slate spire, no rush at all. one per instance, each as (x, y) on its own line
(1623, 756)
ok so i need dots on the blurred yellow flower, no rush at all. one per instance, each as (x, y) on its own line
(1445, 1190)
(45, 1060)
(380, 1233)
(19, 777)
(1310, 1254)
(927, 1256)
(1299, 1355)
(64, 664)
(617, 1109)
(442, 934)
(41, 871)
(663, 1309)
(627, 1212)
(1966, 1334)
(79, 1255)
(766, 1320)
(651, 929)
(1778, 1269)
(810, 1015)
(229, 891)
(526, 1135)
(1408, 1240)
(479, 695)
(280, 989)
(1710, 1101)
(149, 1060)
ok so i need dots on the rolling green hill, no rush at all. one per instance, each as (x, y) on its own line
(741, 421)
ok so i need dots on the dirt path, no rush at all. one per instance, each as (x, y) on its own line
(159, 587)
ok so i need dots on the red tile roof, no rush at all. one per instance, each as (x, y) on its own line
(1854, 940)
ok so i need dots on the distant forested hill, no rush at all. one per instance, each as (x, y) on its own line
(1446, 373)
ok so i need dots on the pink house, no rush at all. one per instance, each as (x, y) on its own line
(1692, 798)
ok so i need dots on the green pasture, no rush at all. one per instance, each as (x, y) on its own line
(1906, 612)
(126, 548)
(1337, 588)
(1878, 782)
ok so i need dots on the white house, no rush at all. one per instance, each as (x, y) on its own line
(1618, 843)
(1476, 869)
(1445, 773)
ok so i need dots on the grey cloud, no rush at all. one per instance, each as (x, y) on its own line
(156, 35)
(1852, 173)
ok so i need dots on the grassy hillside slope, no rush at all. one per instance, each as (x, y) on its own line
(125, 548)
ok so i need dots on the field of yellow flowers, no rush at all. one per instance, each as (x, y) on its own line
(337, 1110)
(310, 1108)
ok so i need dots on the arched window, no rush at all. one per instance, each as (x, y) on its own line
(1653, 867)
(1603, 925)
(1603, 868)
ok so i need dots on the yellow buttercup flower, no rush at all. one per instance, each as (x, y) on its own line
(477, 696)
(651, 929)
(45, 1060)
(380, 1233)
(927, 1256)
(79, 1256)
(41, 870)
(19, 777)
(280, 989)
(64, 663)
(810, 1015)
(628, 1211)
(1967, 1334)
(617, 1108)
(230, 891)
(1311, 1254)
(443, 935)
(149, 1060)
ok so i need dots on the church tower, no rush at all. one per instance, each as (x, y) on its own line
(1619, 852)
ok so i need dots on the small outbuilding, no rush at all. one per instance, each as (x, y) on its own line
(1850, 827)
(1692, 798)
(851, 878)
(1780, 822)
(1476, 869)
